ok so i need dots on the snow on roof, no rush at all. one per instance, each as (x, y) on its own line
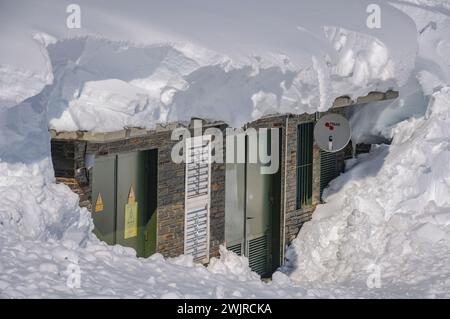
(155, 62)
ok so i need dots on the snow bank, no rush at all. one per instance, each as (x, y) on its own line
(234, 61)
(230, 263)
(391, 211)
(36, 269)
(375, 123)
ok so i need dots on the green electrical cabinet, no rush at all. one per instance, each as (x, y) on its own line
(258, 219)
(124, 200)
(103, 197)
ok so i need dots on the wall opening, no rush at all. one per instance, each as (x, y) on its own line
(252, 211)
(124, 200)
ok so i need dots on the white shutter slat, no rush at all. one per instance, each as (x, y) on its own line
(197, 199)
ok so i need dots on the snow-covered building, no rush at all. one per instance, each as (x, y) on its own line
(139, 197)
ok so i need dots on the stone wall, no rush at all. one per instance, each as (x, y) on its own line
(293, 218)
(69, 164)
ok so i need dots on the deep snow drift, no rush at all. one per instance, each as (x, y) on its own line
(233, 61)
(392, 208)
(238, 61)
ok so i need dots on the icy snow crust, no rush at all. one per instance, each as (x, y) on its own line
(235, 61)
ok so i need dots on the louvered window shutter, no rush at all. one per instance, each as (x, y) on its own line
(197, 198)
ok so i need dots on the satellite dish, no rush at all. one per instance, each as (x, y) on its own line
(332, 132)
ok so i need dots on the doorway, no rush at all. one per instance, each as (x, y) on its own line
(252, 210)
(124, 200)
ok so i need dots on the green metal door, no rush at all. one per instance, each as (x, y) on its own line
(258, 213)
(258, 219)
(235, 203)
(104, 198)
(129, 182)
(252, 211)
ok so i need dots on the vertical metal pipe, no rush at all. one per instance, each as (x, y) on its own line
(284, 189)
(245, 250)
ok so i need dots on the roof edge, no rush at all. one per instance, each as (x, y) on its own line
(130, 132)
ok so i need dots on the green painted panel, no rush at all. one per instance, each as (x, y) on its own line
(258, 211)
(305, 143)
(150, 214)
(103, 192)
(127, 182)
(252, 210)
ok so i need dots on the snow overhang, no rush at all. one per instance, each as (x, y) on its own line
(129, 132)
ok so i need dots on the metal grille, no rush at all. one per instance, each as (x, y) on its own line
(258, 255)
(328, 169)
(304, 164)
(237, 249)
(196, 237)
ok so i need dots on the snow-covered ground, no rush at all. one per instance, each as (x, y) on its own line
(160, 61)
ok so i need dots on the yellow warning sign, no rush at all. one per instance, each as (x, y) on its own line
(131, 197)
(131, 216)
(99, 207)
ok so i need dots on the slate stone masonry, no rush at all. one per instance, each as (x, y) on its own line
(69, 155)
(69, 164)
(71, 149)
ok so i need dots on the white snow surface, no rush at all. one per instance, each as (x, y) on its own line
(227, 60)
(390, 210)
(155, 61)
